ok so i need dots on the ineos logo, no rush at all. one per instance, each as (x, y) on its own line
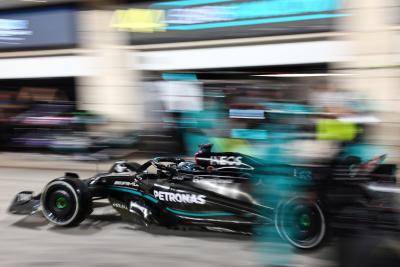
(225, 160)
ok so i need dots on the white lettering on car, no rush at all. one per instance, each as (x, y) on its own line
(126, 183)
(225, 160)
(199, 179)
(180, 197)
(119, 206)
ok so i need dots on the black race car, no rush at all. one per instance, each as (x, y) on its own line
(217, 191)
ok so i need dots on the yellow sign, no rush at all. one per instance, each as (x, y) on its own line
(139, 20)
(330, 129)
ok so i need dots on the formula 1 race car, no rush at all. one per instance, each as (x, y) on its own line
(216, 191)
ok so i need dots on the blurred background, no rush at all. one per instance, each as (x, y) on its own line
(109, 79)
(86, 82)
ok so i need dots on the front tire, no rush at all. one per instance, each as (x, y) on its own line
(66, 202)
(301, 222)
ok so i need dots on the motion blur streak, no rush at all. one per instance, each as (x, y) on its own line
(294, 104)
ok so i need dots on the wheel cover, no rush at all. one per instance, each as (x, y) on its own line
(305, 220)
(61, 203)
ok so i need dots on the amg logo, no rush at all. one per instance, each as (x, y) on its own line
(225, 160)
(125, 183)
(181, 198)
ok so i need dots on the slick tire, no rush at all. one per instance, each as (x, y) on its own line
(66, 201)
(301, 222)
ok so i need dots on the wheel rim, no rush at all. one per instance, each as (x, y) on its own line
(302, 223)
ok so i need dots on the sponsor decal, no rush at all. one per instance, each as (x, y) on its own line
(212, 180)
(179, 177)
(226, 161)
(180, 197)
(119, 205)
(126, 183)
(303, 174)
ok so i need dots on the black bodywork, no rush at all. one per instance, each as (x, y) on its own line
(221, 191)
(173, 191)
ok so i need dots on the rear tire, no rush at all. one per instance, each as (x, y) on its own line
(66, 201)
(301, 222)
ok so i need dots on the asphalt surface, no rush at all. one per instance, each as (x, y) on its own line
(104, 240)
